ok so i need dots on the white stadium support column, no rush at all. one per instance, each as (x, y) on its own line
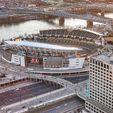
(22, 61)
(44, 61)
(18, 60)
(15, 59)
(76, 63)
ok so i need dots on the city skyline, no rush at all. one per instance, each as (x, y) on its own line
(56, 56)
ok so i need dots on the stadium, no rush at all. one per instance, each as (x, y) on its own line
(55, 48)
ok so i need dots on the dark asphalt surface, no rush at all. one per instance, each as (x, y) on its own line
(23, 93)
(77, 79)
(61, 106)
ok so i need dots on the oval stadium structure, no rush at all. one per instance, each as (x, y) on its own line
(55, 48)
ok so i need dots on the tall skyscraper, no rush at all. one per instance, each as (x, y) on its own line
(101, 84)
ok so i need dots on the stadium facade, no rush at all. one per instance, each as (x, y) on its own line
(44, 55)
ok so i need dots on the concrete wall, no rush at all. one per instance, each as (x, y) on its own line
(53, 62)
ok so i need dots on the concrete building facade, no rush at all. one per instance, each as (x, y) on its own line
(101, 84)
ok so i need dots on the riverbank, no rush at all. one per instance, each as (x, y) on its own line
(21, 18)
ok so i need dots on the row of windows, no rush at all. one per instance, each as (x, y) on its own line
(99, 76)
(93, 108)
(100, 82)
(101, 88)
(107, 81)
(102, 98)
(102, 72)
(100, 95)
(93, 66)
(99, 63)
(102, 101)
(101, 92)
(104, 75)
(110, 100)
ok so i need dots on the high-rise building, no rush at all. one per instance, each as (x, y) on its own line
(101, 84)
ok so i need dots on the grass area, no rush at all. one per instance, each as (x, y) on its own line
(109, 39)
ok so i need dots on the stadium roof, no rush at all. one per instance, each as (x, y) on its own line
(94, 32)
(42, 45)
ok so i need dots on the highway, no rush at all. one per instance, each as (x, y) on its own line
(46, 99)
(57, 71)
(23, 93)
(63, 106)
(19, 95)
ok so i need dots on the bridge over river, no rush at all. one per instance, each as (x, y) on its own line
(62, 13)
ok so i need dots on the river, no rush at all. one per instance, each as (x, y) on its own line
(8, 31)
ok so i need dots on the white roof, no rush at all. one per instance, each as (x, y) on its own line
(41, 45)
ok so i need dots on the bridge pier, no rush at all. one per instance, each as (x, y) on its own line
(89, 24)
(48, 16)
(102, 13)
(61, 21)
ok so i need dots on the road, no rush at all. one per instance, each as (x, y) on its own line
(63, 106)
(23, 93)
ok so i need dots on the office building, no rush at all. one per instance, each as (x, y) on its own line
(101, 83)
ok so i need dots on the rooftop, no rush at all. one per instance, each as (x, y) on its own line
(94, 32)
(105, 56)
(42, 45)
